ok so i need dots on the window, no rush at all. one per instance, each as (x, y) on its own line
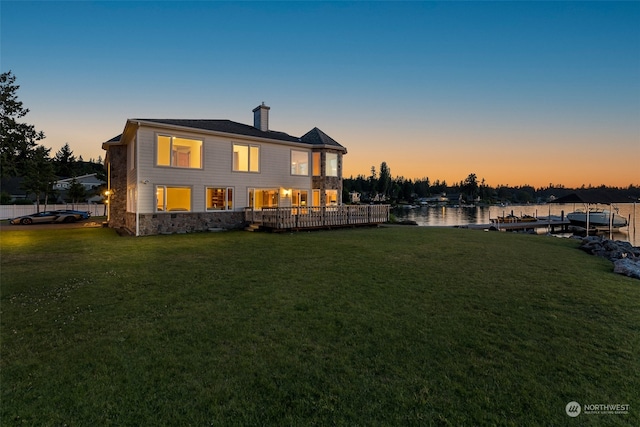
(131, 199)
(246, 158)
(179, 152)
(220, 199)
(263, 198)
(316, 164)
(299, 162)
(171, 199)
(131, 158)
(332, 164)
(331, 197)
(300, 198)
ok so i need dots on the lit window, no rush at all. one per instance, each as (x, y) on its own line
(299, 162)
(131, 199)
(316, 164)
(332, 164)
(220, 199)
(246, 158)
(131, 158)
(331, 197)
(263, 198)
(179, 152)
(172, 199)
(300, 198)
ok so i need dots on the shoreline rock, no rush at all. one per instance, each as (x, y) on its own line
(624, 256)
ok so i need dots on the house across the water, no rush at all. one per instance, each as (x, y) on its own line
(179, 175)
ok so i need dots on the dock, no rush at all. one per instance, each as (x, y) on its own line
(555, 225)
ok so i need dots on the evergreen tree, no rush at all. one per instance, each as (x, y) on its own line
(470, 186)
(17, 140)
(384, 181)
(39, 176)
(77, 191)
(64, 162)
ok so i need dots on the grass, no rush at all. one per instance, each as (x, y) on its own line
(389, 326)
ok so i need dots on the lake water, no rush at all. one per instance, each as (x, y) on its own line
(452, 216)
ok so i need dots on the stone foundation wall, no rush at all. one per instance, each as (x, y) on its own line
(117, 158)
(187, 222)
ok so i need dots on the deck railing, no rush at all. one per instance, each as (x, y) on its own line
(319, 217)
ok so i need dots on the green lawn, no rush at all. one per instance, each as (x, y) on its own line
(392, 326)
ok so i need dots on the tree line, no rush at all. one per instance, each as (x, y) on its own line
(23, 160)
(381, 186)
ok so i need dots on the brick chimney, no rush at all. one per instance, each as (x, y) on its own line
(261, 117)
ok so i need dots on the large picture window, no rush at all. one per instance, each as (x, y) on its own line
(173, 199)
(332, 164)
(299, 162)
(179, 152)
(219, 198)
(246, 158)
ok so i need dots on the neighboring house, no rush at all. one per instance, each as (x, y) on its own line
(176, 175)
(89, 182)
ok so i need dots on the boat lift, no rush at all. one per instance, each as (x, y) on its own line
(593, 197)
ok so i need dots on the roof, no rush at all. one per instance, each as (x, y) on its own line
(314, 137)
(317, 137)
(85, 177)
(593, 196)
(226, 126)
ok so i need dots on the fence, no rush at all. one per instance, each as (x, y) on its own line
(12, 211)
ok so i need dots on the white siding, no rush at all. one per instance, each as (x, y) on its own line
(275, 170)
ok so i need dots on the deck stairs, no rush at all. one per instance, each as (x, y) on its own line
(254, 226)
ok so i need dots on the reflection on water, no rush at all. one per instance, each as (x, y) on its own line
(452, 216)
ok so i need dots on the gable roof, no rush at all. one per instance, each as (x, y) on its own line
(313, 137)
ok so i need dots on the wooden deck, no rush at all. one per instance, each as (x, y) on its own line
(300, 218)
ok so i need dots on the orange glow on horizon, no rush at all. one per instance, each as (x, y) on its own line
(515, 169)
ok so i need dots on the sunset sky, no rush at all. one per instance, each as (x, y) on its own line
(515, 92)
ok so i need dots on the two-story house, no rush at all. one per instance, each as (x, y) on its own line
(177, 175)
